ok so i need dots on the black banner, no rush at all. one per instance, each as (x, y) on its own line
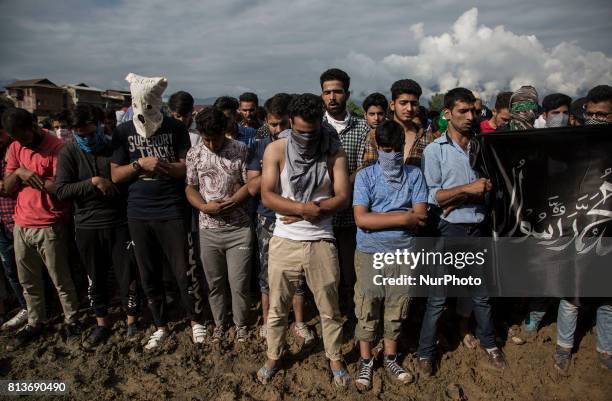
(552, 210)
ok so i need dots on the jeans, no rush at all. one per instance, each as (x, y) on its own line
(566, 326)
(7, 253)
(481, 306)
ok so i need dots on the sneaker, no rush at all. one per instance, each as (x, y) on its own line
(99, 335)
(303, 331)
(17, 321)
(198, 333)
(263, 332)
(425, 366)
(562, 358)
(72, 331)
(23, 337)
(156, 339)
(132, 331)
(396, 371)
(605, 359)
(218, 334)
(241, 334)
(364, 377)
(496, 359)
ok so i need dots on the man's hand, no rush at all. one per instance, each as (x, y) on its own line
(414, 220)
(290, 219)
(30, 178)
(479, 187)
(154, 165)
(312, 212)
(105, 186)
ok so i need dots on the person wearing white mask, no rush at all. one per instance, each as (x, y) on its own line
(556, 110)
(61, 127)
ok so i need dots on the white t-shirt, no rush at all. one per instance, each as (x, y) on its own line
(338, 125)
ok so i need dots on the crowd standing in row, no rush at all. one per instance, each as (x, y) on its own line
(158, 198)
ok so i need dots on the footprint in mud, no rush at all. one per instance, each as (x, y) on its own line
(454, 392)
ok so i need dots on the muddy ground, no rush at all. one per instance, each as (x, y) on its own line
(121, 370)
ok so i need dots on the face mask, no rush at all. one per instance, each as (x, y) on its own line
(63, 133)
(557, 120)
(146, 103)
(594, 121)
(307, 144)
(392, 166)
(92, 143)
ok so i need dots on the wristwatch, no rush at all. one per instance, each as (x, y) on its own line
(136, 166)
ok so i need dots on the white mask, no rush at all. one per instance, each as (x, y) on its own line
(147, 102)
(557, 120)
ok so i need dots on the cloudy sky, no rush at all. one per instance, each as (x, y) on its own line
(268, 46)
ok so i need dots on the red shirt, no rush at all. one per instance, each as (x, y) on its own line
(485, 127)
(37, 208)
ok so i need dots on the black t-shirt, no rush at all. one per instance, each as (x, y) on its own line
(153, 196)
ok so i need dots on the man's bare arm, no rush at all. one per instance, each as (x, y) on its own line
(269, 183)
(342, 188)
(254, 182)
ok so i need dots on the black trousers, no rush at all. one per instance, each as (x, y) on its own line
(165, 241)
(101, 249)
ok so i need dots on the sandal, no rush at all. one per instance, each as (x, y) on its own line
(341, 378)
(469, 341)
(265, 375)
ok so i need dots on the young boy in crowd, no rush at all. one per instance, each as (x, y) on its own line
(389, 204)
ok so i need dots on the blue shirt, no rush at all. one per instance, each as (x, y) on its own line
(254, 164)
(373, 192)
(446, 165)
(246, 135)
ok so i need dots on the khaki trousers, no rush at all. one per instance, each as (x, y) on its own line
(288, 262)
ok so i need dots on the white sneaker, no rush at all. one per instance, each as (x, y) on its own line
(17, 321)
(198, 333)
(156, 339)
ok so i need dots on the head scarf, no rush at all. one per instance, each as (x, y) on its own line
(523, 108)
(306, 159)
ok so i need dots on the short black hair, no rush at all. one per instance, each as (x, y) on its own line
(63, 115)
(335, 74)
(110, 114)
(211, 121)
(600, 93)
(278, 104)
(181, 102)
(226, 103)
(555, 100)
(390, 134)
(407, 86)
(307, 106)
(82, 115)
(375, 99)
(249, 97)
(458, 95)
(502, 101)
(16, 119)
(577, 108)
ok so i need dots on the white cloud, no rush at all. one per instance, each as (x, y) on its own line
(487, 59)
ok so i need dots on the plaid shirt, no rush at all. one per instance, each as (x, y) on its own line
(7, 205)
(424, 138)
(263, 132)
(353, 139)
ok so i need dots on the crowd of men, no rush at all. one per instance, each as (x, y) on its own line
(302, 194)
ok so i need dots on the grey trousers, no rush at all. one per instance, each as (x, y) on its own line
(35, 249)
(226, 256)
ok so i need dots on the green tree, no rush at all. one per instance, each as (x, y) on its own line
(354, 109)
(436, 102)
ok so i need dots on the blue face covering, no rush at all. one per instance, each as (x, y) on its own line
(392, 166)
(93, 143)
